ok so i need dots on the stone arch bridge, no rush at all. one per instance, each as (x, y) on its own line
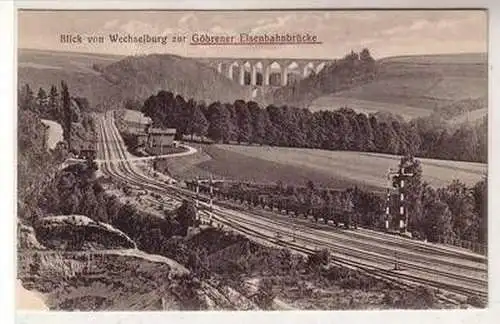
(259, 71)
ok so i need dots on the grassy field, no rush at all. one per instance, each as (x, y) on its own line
(465, 58)
(68, 61)
(414, 86)
(470, 117)
(337, 169)
(333, 102)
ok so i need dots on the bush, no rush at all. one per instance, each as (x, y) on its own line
(265, 295)
(321, 257)
(421, 298)
(476, 301)
(388, 299)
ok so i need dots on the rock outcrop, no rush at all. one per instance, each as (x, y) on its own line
(77, 232)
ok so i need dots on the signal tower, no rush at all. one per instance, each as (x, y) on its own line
(400, 176)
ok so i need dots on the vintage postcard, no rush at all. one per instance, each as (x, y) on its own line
(252, 160)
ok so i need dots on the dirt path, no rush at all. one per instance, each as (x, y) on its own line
(55, 133)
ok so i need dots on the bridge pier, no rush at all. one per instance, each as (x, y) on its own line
(284, 76)
(253, 79)
(242, 74)
(267, 75)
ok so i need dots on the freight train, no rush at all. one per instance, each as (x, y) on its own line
(338, 215)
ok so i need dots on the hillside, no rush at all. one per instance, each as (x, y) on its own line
(108, 81)
(411, 86)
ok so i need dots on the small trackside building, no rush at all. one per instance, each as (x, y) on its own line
(157, 137)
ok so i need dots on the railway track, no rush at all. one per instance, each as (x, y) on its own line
(430, 269)
(422, 253)
(404, 280)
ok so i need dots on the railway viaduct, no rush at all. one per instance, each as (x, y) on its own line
(258, 71)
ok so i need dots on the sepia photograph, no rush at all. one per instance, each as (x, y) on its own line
(238, 160)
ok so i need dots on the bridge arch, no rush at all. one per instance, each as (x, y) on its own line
(246, 73)
(308, 68)
(230, 69)
(294, 69)
(273, 68)
(257, 74)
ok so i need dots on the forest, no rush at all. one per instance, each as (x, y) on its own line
(73, 113)
(343, 129)
(37, 164)
(351, 70)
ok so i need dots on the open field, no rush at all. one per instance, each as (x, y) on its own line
(337, 169)
(228, 164)
(465, 58)
(68, 61)
(470, 117)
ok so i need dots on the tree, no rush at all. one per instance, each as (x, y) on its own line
(42, 101)
(180, 118)
(26, 99)
(66, 113)
(265, 295)
(199, 124)
(365, 56)
(133, 104)
(53, 104)
(186, 215)
(369, 206)
(220, 123)
(366, 133)
(437, 219)
(328, 205)
(465, 143)
(318, 258)
(244, 121)
(82, 103)
(261, 124)
(461, 203)
(480, 193)
(310, 196)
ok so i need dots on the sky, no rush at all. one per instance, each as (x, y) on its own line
(385, 33)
